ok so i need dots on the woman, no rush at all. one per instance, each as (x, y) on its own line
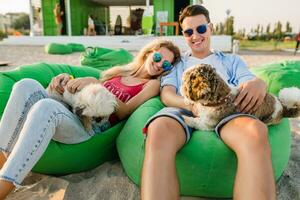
(40, 119)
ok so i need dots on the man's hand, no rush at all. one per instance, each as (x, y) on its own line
(251, 95)
(58, 82)
(79, 83)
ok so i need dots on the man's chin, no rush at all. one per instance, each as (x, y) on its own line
(199, 49)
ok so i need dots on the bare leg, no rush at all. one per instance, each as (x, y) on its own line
(2, 159)
(248, 138)
(5, 188)
(159, 180)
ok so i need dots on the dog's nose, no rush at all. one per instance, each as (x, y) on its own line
(98, 119)
(78, 111)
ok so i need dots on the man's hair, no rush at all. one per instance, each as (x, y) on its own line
(193, 10)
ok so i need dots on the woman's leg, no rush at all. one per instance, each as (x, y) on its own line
(248, 138)
(159, 179)
(24, 95)
(47, 119)
(2, 159)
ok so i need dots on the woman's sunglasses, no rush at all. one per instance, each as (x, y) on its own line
(201, 29)
(166, 65)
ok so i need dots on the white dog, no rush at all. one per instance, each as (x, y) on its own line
(93, 102)
(213, 98)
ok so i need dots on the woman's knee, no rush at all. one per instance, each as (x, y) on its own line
(246, 133)
(165, 133)
(45, 106)
(25, 85)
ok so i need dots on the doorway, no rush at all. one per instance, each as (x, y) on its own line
(63, 17)
(179, 5)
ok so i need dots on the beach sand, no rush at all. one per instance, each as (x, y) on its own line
(109, 181)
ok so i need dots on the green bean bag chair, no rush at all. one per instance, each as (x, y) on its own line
(103, 58)
(279, 75)
(76, 47)
(60, 159)
(205, 165)
(56, 48)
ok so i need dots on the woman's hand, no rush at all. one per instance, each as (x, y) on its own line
(251, 95)
(58, 82)
(79, 83)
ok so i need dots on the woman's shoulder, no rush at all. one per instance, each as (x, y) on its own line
(153, 83)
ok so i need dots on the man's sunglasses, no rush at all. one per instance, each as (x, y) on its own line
(166, 65)
(201, 29)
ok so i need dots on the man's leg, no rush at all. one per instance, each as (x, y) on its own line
(296, 48)
(248, 138)
(159, 179)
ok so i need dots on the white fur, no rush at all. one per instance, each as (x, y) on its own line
(277, 108)
(202, 120)
(234, 91)
(290, 97)
(94, 99)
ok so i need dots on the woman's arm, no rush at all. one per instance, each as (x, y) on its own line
(151, 89)
(170, 98)
(79, 83)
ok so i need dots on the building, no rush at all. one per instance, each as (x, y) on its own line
(76, 12)
(7, 20)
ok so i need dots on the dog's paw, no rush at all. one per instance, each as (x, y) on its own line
(188, 120)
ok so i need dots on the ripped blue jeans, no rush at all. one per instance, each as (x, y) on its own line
(29, 122)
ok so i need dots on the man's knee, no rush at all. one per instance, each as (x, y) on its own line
(165, 132)
(247, 133)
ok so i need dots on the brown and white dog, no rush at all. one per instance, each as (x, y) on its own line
(213, 98)
(93, 102)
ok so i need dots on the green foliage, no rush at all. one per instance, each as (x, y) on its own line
(2, 35)
(288, 27)
(277, 33)
(270, 45)
(229, 29)
(21, 22)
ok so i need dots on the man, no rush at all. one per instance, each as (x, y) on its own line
(243, 133)
(297, 43)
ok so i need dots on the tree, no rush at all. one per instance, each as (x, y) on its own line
(217, 29)
(278, 31)
(229, 29)
(21, 22)
(268, 29)
(257, 30)
(288, 27)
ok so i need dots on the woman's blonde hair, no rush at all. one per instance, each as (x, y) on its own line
(138, 62)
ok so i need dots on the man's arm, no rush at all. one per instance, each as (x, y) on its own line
(170, 98)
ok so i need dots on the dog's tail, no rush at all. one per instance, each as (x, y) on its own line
(290, 99)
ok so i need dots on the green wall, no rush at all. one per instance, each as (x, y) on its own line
(80, 9)
(166, 5)
(48, 17)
